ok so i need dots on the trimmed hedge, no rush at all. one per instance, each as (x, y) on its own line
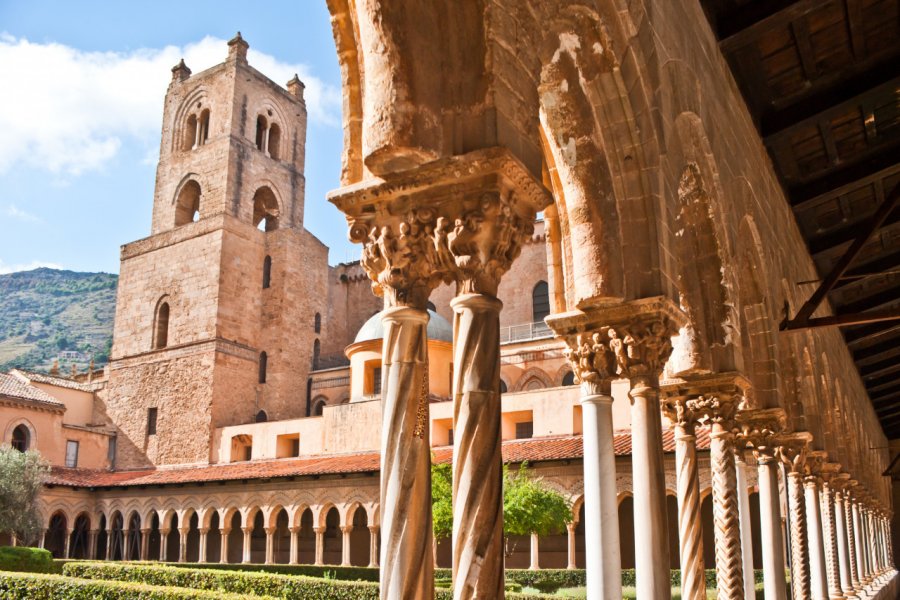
(335, 571)
(270, 584)
(28, 560)
(40, 586)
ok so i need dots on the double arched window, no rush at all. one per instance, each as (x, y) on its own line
(196, 131)
(268, 136)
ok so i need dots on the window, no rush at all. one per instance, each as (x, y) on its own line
(241, 447)
(569, 378)
(262, 126)
(262, 417)
(287, 445)
(21, 438)
(267, 272)
(263, 366)
(450, 437)
(265, 209)
(274, 141)
(317, 349)
(71, 454)
(503, 388)
(317, 323)
(187, 204)
(161, 333)
(540, 301)
(190, 133)
(151, 420)
(524, 430)
(203, 134)
(196, 131)
(318, 407)
(376, 380)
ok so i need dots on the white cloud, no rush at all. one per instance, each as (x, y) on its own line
(68, 111)
(14, 212)
(35, 264)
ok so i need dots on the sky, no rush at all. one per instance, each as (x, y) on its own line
(81, 109)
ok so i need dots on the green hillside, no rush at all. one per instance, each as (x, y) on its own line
(48, 315)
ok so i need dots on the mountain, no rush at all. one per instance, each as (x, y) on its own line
(48, 315)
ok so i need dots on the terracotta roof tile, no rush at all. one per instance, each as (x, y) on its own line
(514, 451)
(65, 382)
(16, 388)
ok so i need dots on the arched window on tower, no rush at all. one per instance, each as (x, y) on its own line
(317, 323)
(21, 438)
(203, 134)
(540, 301)
(190, 133)
(263, 365)
(274, 141)
(262, 127)
(317, 348)
(187, 205)
(161, 326)
(267, 272)
(265, 209)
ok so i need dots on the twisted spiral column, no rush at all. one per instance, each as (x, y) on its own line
(829, 533)
(726, 516)
(840, 520)
(407, 571)
(816, 544)
(477, 465)
(800, 585)
(851, 542)
(690, 534)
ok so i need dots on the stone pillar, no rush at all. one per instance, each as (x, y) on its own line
(840, 521)
(593, 363)
(247, 554)
(859, 543)
(746, 523)
(223, 535)
(204, 537)
(163, 539)
(295, 545)
(270, 544)
(818, 577)
(830, 533)
(92, 544)
(145, 543)
(373, 545)
(477, 465)
(182, 544)
(43, 541)
(792, 450)
(535, 552)
(851, 535)
(320, 545)
(345, 545)
(572, 546)
(459, 219)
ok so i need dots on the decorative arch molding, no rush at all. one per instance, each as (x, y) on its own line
(32, 431)
(266, 202)
(188, 106)
(187, 199)
(560, 376)
(532, 379)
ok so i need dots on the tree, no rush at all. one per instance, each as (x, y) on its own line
(531, 506)
(441, 503)
(22, 476)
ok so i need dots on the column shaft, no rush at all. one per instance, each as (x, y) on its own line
(830, 538)
(726, 516)
(840, 520)
(373, 545)
(818, 577)
(859, 544)
(320, 545)
(570, 529)
(295, 546)
(204, 537)
(650, 528)
(163, 542)
(345, 545)
(223, 553)
(248, 533)
(407, 568)
(66, 543)
(690, 534)
(535, 553)
(770, 529)
(270, 545)
(601, 515)
(145, 544)
(477, 465)
(800, 582)
(746, 527)
(182, 545)
(851, 542)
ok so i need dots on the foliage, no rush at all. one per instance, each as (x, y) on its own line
(22, 476)
(530, 506)
(323, 571)
(24, 559)
(46, 310)
(442, 500)
(19, 586)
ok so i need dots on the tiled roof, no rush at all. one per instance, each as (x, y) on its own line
(51, 380)
(18, 389)
(514, 451)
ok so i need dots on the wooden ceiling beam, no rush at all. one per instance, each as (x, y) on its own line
(882, 298)
(874, 331)
(873, 353)
(743, 25)
(863, 164)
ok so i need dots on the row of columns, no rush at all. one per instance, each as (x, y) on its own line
(164, 533)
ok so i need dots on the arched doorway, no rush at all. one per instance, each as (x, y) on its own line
(55, 538)
(117, 537)
(626, 531)
(579, 539)
(173, 541)
(235, 539)
(258, 539)
(133, 541)
(102, 538)
(332, 541)
(672, 517)
(281, 544)
(214, 539)
(79, 543)
(153, 543)
(307, 543)
(193, 538)
(359, 538)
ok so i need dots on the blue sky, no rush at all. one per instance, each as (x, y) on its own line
(82, 106)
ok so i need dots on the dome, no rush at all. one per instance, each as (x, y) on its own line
(439, 328)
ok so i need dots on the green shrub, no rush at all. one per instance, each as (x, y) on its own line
(323, 571)
(29, 560)
(34, 586)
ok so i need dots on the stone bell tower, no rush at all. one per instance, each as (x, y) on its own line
(215, 317)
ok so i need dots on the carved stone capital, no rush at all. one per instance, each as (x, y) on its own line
(462, 218)
(759, 429)
(792, 449)
(815, 463)
(637, 335)
(592, 360)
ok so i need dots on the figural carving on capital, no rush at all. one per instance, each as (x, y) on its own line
(759, 428)
(592, 360)
(793, 451)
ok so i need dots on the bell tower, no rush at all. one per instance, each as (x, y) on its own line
(215, 310)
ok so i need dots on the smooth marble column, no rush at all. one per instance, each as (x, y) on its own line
(247, 553)
(204, 537)
(770, 528)
(535, 553)
(163, 543)
(67, 543)
(270, 544)
(345, 545)
(295, 545)
(601, 515)
(840, 521)
(407, 567)
(223, 554)
(477, 464)
(746, 525)
(650, 524)
(320, 545)
(570, 530)
(182, 544)
(373, 545)
(145, 543)
(818, 577)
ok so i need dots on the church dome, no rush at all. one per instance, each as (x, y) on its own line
(439, 329)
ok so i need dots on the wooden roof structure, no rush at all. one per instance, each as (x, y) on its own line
(822, 81)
